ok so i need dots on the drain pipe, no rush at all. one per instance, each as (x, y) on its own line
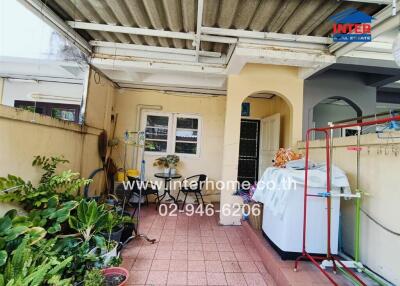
(139, 109)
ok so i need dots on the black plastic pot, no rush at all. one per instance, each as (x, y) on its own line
(115, 235)
(129, 229)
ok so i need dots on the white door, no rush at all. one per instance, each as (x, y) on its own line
(269, 141)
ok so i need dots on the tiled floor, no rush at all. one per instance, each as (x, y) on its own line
(195, 250)
(192, 250)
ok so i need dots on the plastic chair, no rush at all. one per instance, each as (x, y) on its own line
(194, 186)
(147, 189)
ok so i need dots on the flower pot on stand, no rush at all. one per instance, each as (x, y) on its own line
(167, 171)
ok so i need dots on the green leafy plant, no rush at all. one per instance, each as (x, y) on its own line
(115, 261)
(13, 229)
(114, 220)
(49, 165)
(53, 216)
(63, 186)
(89, 219)
(170, 161)
(94, 277)
(83, 258)
(32, 266)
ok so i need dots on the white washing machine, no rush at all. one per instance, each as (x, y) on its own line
(285, 231)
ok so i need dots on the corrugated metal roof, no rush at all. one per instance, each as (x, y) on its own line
(301, 17)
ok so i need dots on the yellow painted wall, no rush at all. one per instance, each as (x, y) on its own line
(212, 112)
(100, 102)
(256, 78)
(379, 167)
(25, 134)
(1, 89)
(261, 107)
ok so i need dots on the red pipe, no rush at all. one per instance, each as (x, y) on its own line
(329, 255)
(366, 123)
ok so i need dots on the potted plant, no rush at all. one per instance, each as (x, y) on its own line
(94, 277)
(162, 162)
(114, 225)
(173, 161)
(113, 276)
(63, 186)
(169, 163)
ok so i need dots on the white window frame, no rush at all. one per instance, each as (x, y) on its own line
(144, 125)
(198, 142)
(171, 138)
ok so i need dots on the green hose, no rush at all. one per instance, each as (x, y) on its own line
(349, 277)
(357, 228)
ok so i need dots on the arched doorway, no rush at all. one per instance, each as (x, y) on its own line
(282, 81)
(264, 128)
(334, 109)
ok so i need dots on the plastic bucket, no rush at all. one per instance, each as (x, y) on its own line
(132, 173)
(120, 177)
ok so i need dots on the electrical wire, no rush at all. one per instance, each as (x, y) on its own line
(380, 224)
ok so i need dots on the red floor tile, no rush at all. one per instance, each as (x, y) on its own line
(248, 266)
(195, 255)
(178, 265)
(235, 279)
(179, 255)
(227, 256)
(211, 255)
(177, 278)
(160, 265)
(231, 266)
(163, 254)
(197, 278)
(157, 278)
(210, 247)
(196, 266)
(137, 277)
(216, 278)
(214, 266)
(193, 251)
(142, 264)
(254, 279)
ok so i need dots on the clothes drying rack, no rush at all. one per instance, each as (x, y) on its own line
(329, 256)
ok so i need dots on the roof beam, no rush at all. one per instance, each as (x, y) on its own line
(154, 66)
(129, 54)
(147, 32)
(153, 49)
(277, 56)
(130, 30)
(40, 9)
(200, 5)
(380, 47)
(265, 35)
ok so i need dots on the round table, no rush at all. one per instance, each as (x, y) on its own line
(167, 179)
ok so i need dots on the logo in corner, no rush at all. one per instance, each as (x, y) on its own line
(351, 25)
